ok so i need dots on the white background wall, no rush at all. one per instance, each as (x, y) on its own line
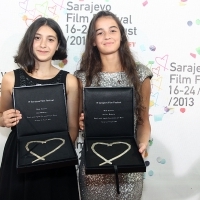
(165, 36)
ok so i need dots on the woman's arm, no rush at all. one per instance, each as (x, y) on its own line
(144, 130)
(73, 98)
(8, 116)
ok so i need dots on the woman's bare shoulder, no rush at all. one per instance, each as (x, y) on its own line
(8, 78)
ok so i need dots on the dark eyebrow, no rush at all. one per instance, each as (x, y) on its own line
(110, 27)
(48, 35)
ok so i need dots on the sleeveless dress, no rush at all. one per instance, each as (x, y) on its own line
(103, 186)
(53, 184)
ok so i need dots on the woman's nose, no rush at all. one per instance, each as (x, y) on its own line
(107, 35)
(43, 43)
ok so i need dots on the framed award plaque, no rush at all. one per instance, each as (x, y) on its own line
(109, 131)
(43, 141)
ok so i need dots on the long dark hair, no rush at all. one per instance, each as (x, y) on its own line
(25, 57)
(91, 61)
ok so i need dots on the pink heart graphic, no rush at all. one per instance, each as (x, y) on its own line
(145, 3)
(162, 61)
(52, 9)
(193, 55)
(182, 110)
(156, 70)
(24, 5)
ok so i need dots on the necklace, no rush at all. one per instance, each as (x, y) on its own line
(110, 144)
(44, 142)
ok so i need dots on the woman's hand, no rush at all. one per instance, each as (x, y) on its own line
(11, 117)
(81, 121)
(143, 149)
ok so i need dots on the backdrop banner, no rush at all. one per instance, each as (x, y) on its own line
(164, 36)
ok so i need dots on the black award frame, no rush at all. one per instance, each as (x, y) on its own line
(43, 141)
(110, 146)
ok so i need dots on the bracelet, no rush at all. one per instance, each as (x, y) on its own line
(43, 142)
(110, 144)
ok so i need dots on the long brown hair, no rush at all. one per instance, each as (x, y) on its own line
(91, 62)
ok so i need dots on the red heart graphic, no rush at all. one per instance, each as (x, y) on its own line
(162, 61)
(182, 110)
